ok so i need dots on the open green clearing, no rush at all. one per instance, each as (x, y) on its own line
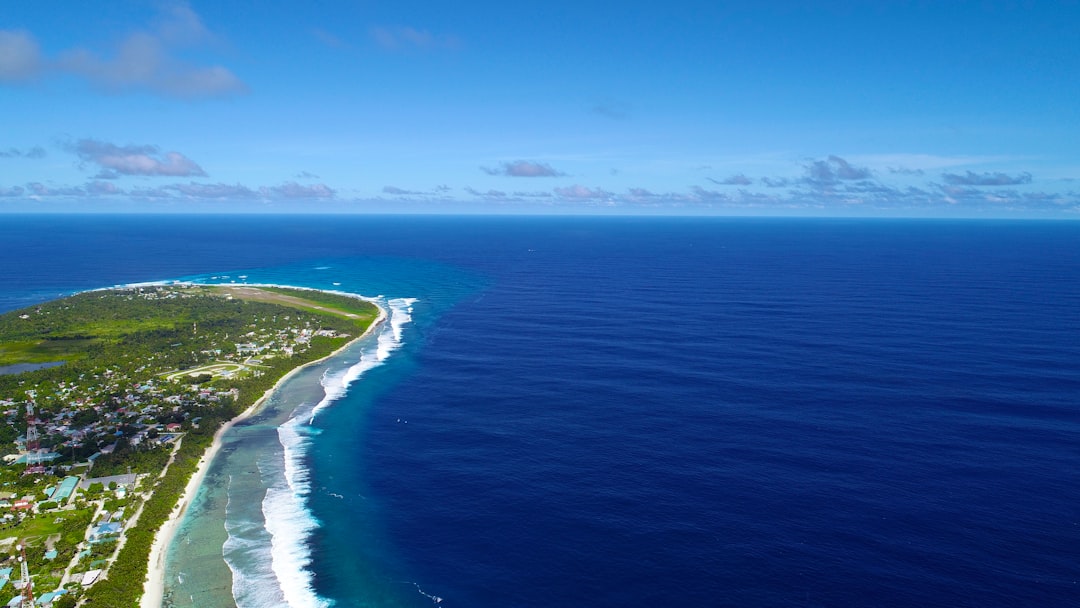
(33, 530)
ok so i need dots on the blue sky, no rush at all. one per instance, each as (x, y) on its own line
(938, 109)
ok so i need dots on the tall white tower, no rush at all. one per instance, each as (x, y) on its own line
(27, 600)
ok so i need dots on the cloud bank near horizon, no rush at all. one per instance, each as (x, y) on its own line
(823, 184)
(986, 179)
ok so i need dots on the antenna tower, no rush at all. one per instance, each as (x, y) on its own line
(27, 600)
(33, 444)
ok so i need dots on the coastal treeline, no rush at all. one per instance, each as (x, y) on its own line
(123, 586)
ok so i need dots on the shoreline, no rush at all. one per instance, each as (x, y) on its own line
(154, 585)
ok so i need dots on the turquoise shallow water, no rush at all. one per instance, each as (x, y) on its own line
(225, 518)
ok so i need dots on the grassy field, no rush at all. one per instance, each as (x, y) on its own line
(39, 527)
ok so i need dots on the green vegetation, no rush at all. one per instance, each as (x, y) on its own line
(360, 311)
(43, 351)
(150, 374)
(131, 562)
(33, 529)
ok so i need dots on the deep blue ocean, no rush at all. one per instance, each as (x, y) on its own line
(664, 411)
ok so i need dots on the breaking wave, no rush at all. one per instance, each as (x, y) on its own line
(277, 573)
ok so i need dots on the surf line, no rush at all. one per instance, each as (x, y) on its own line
(286, 511)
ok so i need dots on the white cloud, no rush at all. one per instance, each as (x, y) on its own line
(40, 189)
(399, 191)
(20, 57)
(582, 193)
(179, 25)
(986, 179)
(734, 180)
(212, 191)
(35, 152)
(103, 188)
(832, 170)
(293, 190)
(150, 60)
(134, 160)
(144, 61)
(489, 195)
(524, 168)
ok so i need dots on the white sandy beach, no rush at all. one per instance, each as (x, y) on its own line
(154, 586)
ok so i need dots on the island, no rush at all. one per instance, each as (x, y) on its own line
(113, 402)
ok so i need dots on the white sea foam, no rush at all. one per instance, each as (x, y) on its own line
(389, 339)
(247, 553)
(150, 284)
(289, 521)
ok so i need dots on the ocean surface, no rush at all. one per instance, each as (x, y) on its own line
(622, 412)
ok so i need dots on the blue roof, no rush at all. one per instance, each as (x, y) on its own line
(65, 488)
(112, 527)
(41, 457)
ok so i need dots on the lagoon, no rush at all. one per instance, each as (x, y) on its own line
(19, 368)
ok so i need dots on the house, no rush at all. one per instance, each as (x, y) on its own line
(107, 529)
(90, 577)
(249, 348)
(46, 599)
